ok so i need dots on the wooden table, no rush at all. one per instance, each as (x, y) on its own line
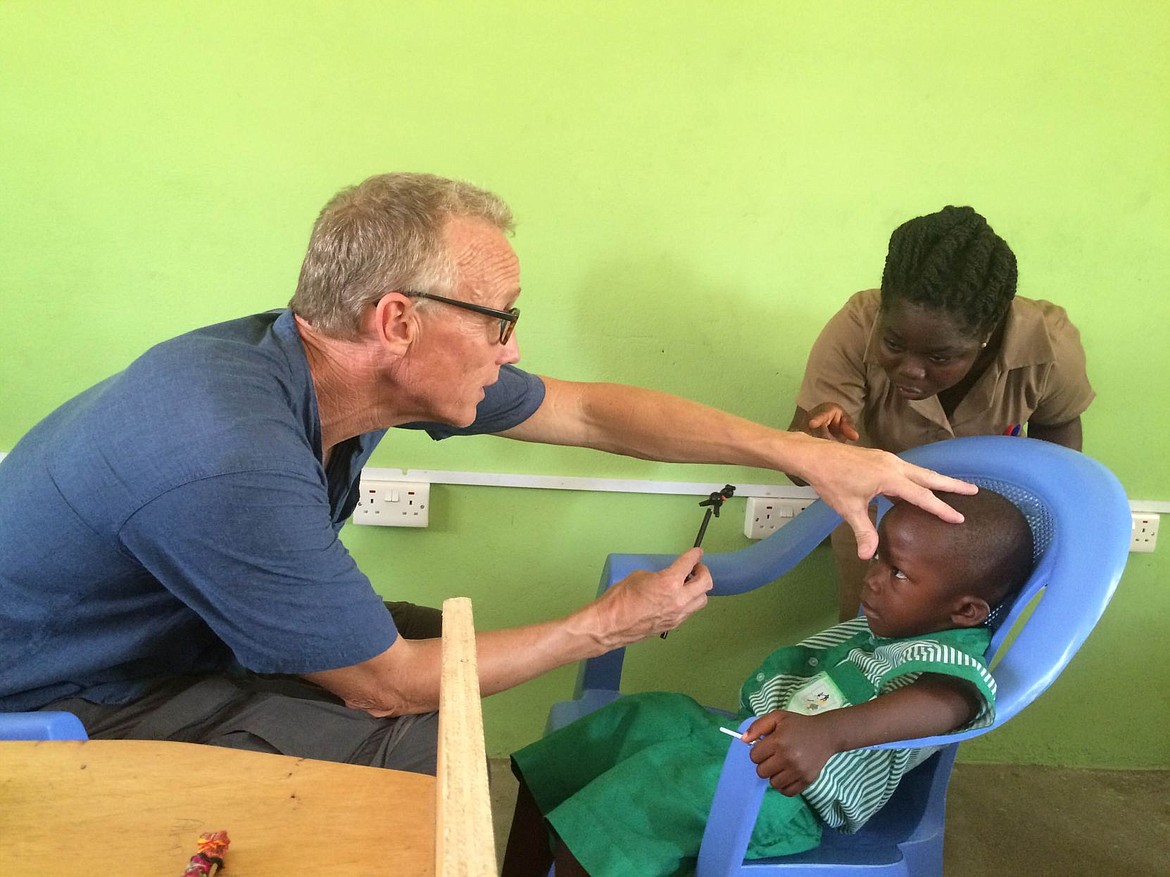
(137, 807)
(131, 807)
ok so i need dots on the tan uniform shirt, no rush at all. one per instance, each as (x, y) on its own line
(1038, 376)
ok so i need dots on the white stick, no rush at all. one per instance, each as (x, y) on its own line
(735, 734)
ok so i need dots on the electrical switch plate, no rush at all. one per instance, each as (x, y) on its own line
(393, 503)
(1145, 531)
(766, 514)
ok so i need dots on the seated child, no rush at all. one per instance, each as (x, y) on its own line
(626, 790)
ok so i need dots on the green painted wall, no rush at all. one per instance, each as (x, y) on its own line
(698, 187)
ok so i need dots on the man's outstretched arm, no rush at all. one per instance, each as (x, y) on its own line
(657, 426)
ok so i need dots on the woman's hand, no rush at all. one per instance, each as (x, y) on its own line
(829, 420)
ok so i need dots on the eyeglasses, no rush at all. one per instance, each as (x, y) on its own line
(507, 318)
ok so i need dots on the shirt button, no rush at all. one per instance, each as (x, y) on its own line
(812, 662)
(760, 677)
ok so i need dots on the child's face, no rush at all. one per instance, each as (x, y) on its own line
(906, 591)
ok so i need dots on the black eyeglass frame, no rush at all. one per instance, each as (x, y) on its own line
(507, 318)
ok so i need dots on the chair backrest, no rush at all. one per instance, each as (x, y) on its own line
(1081, 525)
(46, 725)
(1081, 522)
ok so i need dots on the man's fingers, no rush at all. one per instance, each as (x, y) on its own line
(694, 592)
(917, 487)
(927, 501)
(686, 562)
(931, 480)
(700, 578)
(865, 534)
(688, 582)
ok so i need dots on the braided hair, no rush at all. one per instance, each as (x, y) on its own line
(954, 262)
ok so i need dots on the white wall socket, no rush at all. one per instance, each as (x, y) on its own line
(393, 503)
(767, 514)
(1145, 531)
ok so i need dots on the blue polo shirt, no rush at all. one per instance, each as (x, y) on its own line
(175, 519)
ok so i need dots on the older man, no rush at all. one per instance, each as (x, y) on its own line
(169, 560)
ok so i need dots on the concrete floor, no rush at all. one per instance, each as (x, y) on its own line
(1021, 820)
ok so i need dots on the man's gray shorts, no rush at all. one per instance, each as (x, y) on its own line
(285, 715)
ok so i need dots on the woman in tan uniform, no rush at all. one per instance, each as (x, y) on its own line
(943, 349)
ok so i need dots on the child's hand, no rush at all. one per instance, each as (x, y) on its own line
(829, 421)
(790, 750)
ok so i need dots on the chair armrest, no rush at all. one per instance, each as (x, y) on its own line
(740, 792)
(733, 572)
(762, 562)
(733, 812)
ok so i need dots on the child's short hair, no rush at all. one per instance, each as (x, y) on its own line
(992, 548)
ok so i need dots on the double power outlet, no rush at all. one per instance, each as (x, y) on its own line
(767, 514)
(1145, 531)
(393, 503)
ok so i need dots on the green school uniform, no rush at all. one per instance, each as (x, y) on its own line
(628, 788)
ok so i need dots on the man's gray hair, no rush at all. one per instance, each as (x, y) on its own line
(382, 235)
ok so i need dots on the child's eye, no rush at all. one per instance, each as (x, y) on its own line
(898, 574)
(940, 360)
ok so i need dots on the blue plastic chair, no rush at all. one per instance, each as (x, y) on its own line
(1081, 522)
(41, 726)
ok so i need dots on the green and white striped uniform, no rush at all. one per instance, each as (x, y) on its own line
(847, 665)
(628, 788)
